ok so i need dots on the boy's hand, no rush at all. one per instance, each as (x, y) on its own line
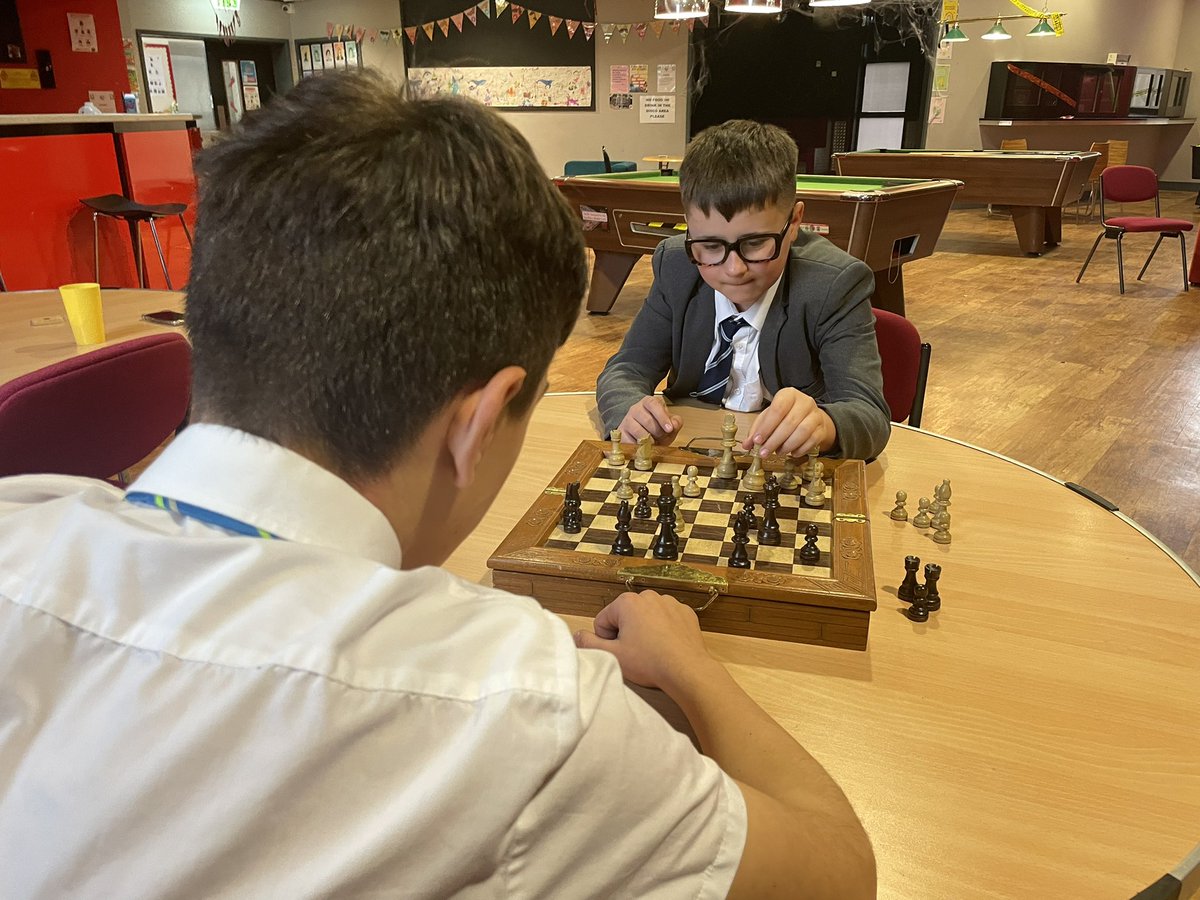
(649, 416)
(792, 425)
(654, 637)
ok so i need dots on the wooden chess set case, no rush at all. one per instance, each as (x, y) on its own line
(828, 603)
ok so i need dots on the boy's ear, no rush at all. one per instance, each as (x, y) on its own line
(475, 419)
(798, 212)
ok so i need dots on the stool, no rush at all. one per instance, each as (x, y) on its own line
(117, 207)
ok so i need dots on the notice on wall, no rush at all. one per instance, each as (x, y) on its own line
(620, 101)
(639, 79)
(306, 57)
(249, 72)
(351, 54)
(251, 97)
(937, 110)
(945, 51)
(666, 78)
(618, 79)
(105, 101)
(657, 109)
(20, 78)
(941, 79)
(233, 89)
(83, 32)
(160, 80)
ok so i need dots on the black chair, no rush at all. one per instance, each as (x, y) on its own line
(117, 207)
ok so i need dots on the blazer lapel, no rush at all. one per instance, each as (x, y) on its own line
(768, 342)
(696, 338)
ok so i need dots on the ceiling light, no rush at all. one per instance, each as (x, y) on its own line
(954, 34)
(761, 7)
(997, 33)
(680, 9)
(837, 2)
(1043, 29)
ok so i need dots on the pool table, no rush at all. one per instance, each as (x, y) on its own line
(883, 222)
(1034, 184)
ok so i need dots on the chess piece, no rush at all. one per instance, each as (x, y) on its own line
(666, 545)
(933, 599)
(815, 495)
(643, 460)
(666, 505)
(810, 467)
(572, 517)
(615, 456)
(768, 532)
(900, 514)
(810, 553)
(907, 589)
(941, 528)
(676, 490)
(942, 493)
(923, 517)
(739, 558)
(727, 467)
(936, 508)
(692, 488)
(788, 481)
(623, 546)
(642, 509)
(919, 611)
(748, 512)
(624, 487)
(754, 479)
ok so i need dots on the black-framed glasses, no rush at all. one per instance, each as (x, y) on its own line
(752, 248)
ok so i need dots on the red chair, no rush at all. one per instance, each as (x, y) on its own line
(96, 414)
(905, 366)
(1133, 184)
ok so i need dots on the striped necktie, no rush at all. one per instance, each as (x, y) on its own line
(716, 376)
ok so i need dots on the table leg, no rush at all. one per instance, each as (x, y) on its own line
(1053, 225)
(609, 274)
(889, 290)
(1030, 222)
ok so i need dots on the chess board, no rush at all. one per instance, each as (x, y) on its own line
(827, 602)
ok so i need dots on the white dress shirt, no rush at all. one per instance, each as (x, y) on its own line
(744, 392)
(185, 712)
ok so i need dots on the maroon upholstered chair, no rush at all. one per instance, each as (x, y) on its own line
(905, 366)
(1134, 184)
(96, 414)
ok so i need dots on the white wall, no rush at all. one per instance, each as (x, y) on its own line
(309, 18)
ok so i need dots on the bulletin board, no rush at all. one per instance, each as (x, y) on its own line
(316, 55)
(12, 44)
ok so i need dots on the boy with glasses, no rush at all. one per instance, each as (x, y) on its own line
(749, 313)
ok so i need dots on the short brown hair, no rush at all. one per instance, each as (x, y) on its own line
(736, 166)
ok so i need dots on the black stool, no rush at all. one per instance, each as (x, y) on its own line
(117, 207)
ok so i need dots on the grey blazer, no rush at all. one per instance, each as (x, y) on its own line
(819, 337)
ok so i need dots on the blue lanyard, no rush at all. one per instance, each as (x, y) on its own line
(199, 513)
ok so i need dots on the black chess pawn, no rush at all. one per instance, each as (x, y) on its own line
(572, 517)
(642, 510)
(810, 553)
(623, 546)
(933, 599)
(666, 545)
(748, 511)
(919, 611)
(907, 586)
(739, 558)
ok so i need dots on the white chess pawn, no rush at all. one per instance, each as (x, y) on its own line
(615, 455)
(624, 488)
(941, 528)
(754, 479)
(900, 514)
(816, 487)
(923, 517)
(808, 470)
(692, 488)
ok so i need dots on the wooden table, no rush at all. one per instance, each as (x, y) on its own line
(1037, 737)
(25, 347)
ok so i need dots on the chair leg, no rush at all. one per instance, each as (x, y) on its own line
(1120, 262)
(1161, 235)
(96, 243)
(1099, 238)
(162, 261)
(918, 407)
(1183, 253)
(186, 233)
(137, 253)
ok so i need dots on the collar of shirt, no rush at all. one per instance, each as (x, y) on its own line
(259, 482)
(756, 314)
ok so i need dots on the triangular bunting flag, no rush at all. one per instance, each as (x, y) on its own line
(608, 31)
(675, 23)
(373, 35)
(485, 7)
(500, 4)
(329, 29)
(572, 27)
(640, 28)
(337, 32)
(428, 29)
(704, 20)
(410, 33)
(457, 20)
(534, 15)
(691, 24)
(589, 29)
(516, 11)
(386, 35)
(623, 31)
(657, 25)
(471, 13)
(555, 23)
(396, 34)
(360, 34)
(444, 24)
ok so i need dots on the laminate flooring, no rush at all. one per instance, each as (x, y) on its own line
(1076, 380)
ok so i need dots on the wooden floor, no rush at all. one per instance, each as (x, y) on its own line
(1076, 380)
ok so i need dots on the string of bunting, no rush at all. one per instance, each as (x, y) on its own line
(1055, 18)
(496, 9)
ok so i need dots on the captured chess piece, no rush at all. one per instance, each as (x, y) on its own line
(572, 517)
(623, 546)
(919, 611)
(727, 467)
(810, 553)
(816, 487)
(692, 488)
(769, 533)
(900, 514)
(907, 588)
(624, 486)
(748, 512)
(933, 599)
(754, 478)
(739, 558)
(941, 528)
(942, 493)
(809, 468)
(642, 509)
(615, 455)
(643, 460)
(924, 517)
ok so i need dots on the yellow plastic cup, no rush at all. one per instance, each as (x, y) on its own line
(84, 311)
